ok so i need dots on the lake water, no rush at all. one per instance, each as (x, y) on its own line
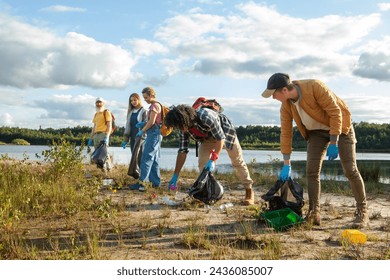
(168, 158)
(168, 155)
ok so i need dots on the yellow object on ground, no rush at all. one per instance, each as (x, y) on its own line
(354, 236)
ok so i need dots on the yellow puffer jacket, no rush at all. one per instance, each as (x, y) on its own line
(320, 103)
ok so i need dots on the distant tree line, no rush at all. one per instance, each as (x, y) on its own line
(370, 136)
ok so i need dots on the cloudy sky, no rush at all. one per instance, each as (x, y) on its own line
(56, 57)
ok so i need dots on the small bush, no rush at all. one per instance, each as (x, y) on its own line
(20, 142)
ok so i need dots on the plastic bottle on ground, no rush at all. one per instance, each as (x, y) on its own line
(226, 206)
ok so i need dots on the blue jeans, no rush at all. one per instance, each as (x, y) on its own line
(150, 168)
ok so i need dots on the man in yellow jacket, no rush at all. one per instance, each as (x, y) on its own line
(324, 121)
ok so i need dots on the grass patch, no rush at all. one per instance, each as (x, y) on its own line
(59, 209)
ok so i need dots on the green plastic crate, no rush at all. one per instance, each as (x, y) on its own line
(282, 219)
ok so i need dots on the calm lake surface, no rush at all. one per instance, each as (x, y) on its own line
(168, 158)
(168, 155)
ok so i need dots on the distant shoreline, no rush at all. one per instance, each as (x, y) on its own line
(384, 151)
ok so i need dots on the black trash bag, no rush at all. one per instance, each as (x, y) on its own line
(206, 188)
(99, 156)
(285, 194)
(136, 154)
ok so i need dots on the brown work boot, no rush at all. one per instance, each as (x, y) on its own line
(249, 196)
(313, 217)
(361, 218)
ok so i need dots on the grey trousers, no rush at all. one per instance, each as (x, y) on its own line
(316, 151)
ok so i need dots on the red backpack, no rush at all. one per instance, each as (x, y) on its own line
(203, 102)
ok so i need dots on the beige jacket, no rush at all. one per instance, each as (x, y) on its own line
(320, 103)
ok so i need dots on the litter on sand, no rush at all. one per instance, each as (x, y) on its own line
(282, 219)
(354, 236)
(170, 202)
(107, 182)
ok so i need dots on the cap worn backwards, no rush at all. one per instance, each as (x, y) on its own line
(99, 99)
(277, 80)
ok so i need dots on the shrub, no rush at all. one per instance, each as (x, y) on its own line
(19, 141)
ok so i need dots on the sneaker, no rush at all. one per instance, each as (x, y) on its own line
(361, 218)
(313, 217)
(142, 188)
(135, 187)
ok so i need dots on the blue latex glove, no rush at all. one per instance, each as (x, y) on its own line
(139, 133)
(124, 143)
(210, 165)
(285, 173)
(140, 125)
(172, 185)
(90, 142)
(332, 152)
(105, 140)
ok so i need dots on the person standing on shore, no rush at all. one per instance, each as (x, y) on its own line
(149, 166)
(102, 125)
(324, 120)
(135, 114)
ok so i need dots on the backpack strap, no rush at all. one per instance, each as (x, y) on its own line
(162, 112)
(104, 115)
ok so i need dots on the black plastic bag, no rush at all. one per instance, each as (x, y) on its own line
(99, 156)
(285, 194)
(206, 188)
(136, 155)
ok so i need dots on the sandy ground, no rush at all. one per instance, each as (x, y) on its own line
(152, 229)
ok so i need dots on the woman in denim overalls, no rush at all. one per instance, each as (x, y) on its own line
(150, 169)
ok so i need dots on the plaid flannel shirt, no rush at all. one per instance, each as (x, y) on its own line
(214, 124)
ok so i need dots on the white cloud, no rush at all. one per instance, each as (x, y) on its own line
(34, 58)
(251, 43)
(63, 9)
(71, 110)
(374, 60)
(143, 47)
(210, 2)
(6, 119)
(384, 6)
(65, 106)
(376, 112)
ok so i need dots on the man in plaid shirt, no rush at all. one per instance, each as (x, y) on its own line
(213, 131)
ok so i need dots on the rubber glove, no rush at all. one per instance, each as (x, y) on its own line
(210, 165)
(124, 143)
(285, 173)
(90, 142)
(139, 133)
(105, 140)
(332, 152)
(140, 125)
(172, 185)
